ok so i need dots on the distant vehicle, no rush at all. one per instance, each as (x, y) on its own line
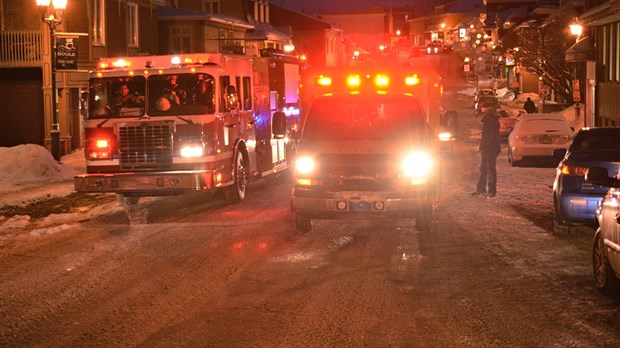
(539, 137)
(506, 123)
(486, 102)
(574, 199)
(483, 92)
(433, 48)
(606, 246)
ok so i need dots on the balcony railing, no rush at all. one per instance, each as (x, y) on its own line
(20, 49)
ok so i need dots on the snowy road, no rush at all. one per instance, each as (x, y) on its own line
(200, 273)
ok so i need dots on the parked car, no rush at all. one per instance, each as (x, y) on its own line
(486, 102)
(539, 138)
(506, 123)
(574, 199)
(483, 92)
(606, 246)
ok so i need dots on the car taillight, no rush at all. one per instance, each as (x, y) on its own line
(528, 139)
(562, 139)
(569, 169)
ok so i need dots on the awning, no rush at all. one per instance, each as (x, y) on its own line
(581, 51)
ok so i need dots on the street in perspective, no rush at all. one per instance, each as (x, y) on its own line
(266, 176)
(196, 271)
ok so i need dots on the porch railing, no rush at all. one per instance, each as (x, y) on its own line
(20, 49)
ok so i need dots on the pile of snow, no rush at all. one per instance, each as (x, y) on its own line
(29, 164)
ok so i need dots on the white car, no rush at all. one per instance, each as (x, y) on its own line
(539, 137)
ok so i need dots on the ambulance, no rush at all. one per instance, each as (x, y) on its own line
(369, 146)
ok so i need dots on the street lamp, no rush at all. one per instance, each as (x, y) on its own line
(576, 30)
(52, 21)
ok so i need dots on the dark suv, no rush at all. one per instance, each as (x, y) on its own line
(574, 199)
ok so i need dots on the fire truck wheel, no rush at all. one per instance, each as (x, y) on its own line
(424, 218)
(236, 192)
(302, 223)
(127, 201)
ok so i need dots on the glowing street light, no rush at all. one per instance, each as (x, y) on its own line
(52, 21)
(576, 30)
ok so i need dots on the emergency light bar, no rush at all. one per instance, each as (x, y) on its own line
(168, 61)
(376, 81)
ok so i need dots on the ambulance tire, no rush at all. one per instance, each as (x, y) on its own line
(303, 223)
(235, 193)
(424, 218)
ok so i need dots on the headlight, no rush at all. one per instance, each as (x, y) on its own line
(304, 165)
(192, 150)
(417, 165)
(445, 136)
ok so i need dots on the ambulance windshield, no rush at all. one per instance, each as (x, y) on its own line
(378, 117)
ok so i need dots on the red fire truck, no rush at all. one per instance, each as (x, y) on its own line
(164, 125)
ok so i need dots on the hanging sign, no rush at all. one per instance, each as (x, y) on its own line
(66, 53)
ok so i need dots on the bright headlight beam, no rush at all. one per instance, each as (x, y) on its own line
(304, 165)
(417, 164)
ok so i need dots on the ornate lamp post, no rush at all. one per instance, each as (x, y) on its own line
(576, 30)
(52, 21)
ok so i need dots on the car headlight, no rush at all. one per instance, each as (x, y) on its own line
(417, 165)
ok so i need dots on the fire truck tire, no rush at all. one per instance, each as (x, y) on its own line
(235, 193)
(303, 223)
(127, 201)
(424, 218)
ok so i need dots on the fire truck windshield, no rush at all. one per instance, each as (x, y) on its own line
(352, 117)
(181, 94)
(116, 97)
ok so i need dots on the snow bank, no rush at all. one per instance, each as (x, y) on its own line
(30, 163)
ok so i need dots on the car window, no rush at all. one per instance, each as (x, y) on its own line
(596, 142)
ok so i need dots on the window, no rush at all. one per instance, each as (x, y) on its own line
(211, 6)
(224, 82)
(247, 93)
(98, 30)
(132, 24)
(180, 37)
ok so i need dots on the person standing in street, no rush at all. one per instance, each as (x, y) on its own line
(529, 106)
(489, 150)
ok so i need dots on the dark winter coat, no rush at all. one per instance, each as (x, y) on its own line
(490, 140)
(529, 106)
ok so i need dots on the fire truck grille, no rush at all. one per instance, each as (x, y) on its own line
(368, 172)
(145, 147)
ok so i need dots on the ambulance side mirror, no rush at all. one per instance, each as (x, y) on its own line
(231, 98)
(278, 124)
